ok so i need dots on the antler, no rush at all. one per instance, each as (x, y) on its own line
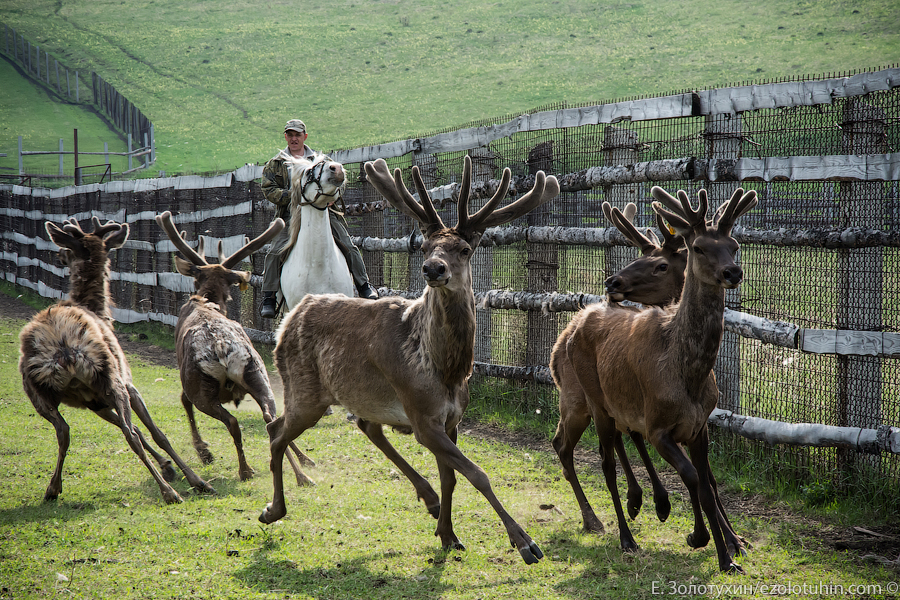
(739, 203)
(474, 221)
(624, 222)
(545, 189)
(249, 248)
(165, 222)
(394, 191)
(679, 213)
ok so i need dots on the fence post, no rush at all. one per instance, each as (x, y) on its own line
(68, 87)
(723, 135)
(106, 152)
(58, 86)
(21, 169)
(37, 61)
(47, 66)
(144, 147)
(61, 172)
(77, 99)
(129, 152)
(152, 145)
(860, 276)
(619, 149)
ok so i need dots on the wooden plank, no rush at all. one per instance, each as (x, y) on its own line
(850, 343)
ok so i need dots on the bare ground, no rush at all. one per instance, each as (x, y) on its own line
(875, 543)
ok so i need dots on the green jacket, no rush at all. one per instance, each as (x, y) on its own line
(276, 182)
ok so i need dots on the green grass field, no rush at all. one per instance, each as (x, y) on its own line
(218, 79)
(359, 533)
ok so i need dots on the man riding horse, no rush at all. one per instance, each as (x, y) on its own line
(276, 183)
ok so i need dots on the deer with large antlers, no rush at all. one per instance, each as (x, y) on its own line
(401, 363)
(70, 355)
(216, 360)
(650, 371)
(654, 279)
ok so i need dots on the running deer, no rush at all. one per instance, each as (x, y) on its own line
(650, 370)
(216, 360)
(397, 362)
(654, 279)
(70, 355)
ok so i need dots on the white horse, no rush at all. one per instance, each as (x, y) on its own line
(312, 262)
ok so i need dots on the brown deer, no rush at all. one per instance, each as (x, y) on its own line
(650, 370)
(657, 276)
(70, 355)
(397, 362)
(654, 279)
(216, 360)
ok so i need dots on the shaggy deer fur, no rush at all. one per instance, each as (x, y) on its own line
(650, 370)
(70, 355)
(313, 264)
(401, 363)
(217, 362)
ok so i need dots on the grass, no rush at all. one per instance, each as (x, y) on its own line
(218, 80)
(359, 533)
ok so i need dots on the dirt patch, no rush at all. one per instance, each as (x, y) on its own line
(877, 544)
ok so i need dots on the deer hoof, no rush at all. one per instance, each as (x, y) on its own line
(172, 497)
(531, 553)
(167, 471)
(593, 525)
(269, 515)
(697, 541)
(732, 568)
(663, 508)
(206, 457)
(434, 511)
(629, 546)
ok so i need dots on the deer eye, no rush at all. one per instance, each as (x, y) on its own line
(466, 251)
(698, 250)
(663, 267)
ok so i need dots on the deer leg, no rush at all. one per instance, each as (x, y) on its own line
(217, 411)
(699, 449)
(122, 418)
(635, 495)
(424, 491)
(282, 431)
(435, 438)
(44, 407)
(675, 456)
(444, 529)
(572, 424)
(202, 448)
(732, 541)
(257, 383)
(140, 409)
(165, 465)
(609, 437)
(660, 493)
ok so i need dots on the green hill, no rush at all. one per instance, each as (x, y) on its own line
(218, 79)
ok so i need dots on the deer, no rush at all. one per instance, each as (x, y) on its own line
(69, 355)
(650, 370)
(313, 264)
(654, 279)
(398, 362)
(217, 362)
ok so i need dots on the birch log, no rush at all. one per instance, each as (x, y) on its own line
(867, 441)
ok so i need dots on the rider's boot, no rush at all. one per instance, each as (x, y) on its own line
(269, 305)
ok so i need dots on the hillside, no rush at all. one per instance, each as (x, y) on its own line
(219, 79)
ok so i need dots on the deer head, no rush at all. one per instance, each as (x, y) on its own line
(656, 278)
(442, 243)
(710, 245)
(87, 256)
(213, 281)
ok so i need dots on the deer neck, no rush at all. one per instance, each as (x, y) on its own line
(697, 328)
(448, 332)
(89, 288)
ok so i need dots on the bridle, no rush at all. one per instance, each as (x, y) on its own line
(313, 177)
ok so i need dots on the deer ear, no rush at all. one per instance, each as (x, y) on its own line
(61, 237)
(185, 267)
